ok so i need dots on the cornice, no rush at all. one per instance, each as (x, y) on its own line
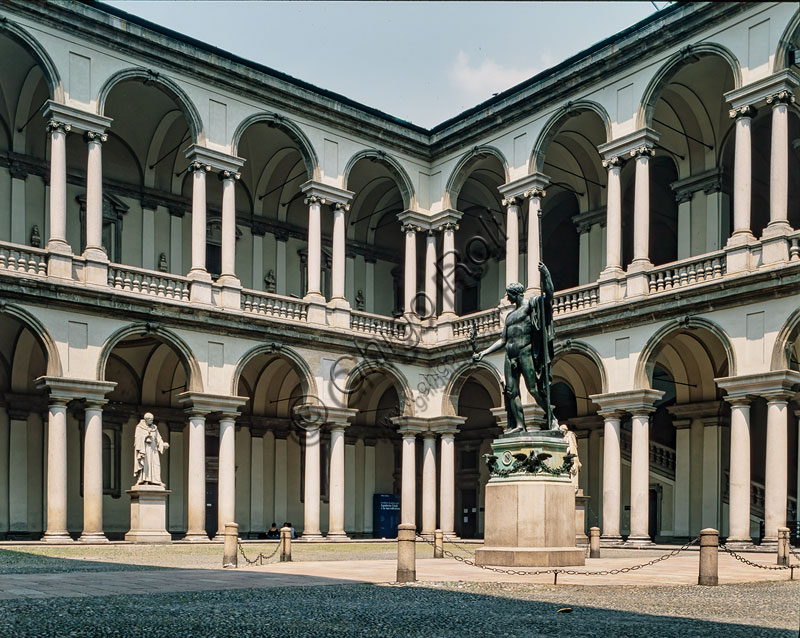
(80, 121)
(330, 194)
(518, 187)
(625, 145)
(756, 93)
(216, 160)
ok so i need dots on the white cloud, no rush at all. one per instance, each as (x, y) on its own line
(479, 81)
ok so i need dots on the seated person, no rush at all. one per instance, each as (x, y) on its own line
(273, 531)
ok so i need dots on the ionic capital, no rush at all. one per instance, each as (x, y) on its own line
(198, 166)
(55, 126)
(314, 199)
(341, 206)
(534, 193)
(447, 226)
(226, 174)
(612, 162)
(510, 201)
(681, 197)
(781, 97)
(410, 228)
(643, 151)
(95, 136)
(742, 112)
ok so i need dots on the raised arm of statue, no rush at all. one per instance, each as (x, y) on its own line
(547, 283)
(497, 345)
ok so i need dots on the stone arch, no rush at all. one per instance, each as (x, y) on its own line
(786, 43)
(307, 381)
(26, 40)
(648, 354)
(400, 383)
(581, 347)
(487, 375)
(553, 125)
(193, 373)
(460, 173)
(292, 130)
(164, 83)
(644, 115)
(402, 179)
(54, 368)
(785, 342)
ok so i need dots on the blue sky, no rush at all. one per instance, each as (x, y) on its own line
(419, 61)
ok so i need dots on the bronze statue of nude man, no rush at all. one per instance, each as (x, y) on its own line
(528, 339)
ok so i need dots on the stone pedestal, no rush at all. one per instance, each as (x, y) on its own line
(148, 514)
(581, 539)
(530, 504)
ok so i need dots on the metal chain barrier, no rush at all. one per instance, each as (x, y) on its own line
(261, 557)
(450, 541)
(556, 571)
(750, 563)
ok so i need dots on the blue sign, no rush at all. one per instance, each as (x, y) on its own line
(385, 515)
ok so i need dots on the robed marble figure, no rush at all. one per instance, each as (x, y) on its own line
(147, 449)
(528, 339)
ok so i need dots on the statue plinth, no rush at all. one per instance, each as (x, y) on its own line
(148, 514)
(530, 503)
(581, 539)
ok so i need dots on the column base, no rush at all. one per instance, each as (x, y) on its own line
(608, 284)
(339, 313)
(737, 252)
(317, 308)
(637, 280)
(195, 537)
(769, 543)
(200, 287)
(59, 260)
(638, 541)
(337, 536)
(231, 292)
(218, 538)
(775, 245)
(611, 540)
(739, 544)
(93, 537)
(312, 536)
(57, 537)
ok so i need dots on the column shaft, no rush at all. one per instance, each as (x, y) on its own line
(198, 217)
(611, 479)
(312, 489)
(614, 216)
(338, 254)
(58, 186)
(94, 191)
(742, 175)
(534, 207)
(196, 487)
(739, 495)
(336, 501)
(410, 282)
(228, 256)
(430, 275)
(408, 504)
(641, 207)
(512, 240)
(57, 474)
(429, 483)
(776, 479)
(447, 485)
(779, 164)
(448, 269)
(314, 245)
(226, 507)
(640, 478)
(93, 475)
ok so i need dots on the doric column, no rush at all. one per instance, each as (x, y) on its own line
(641, 206)
(56, 531)
(430, 275)
(776, 479)
(613, 216)
(226, 486)
(410, 268)
(198, 170)
(742, 175)
(93, 473)
(611, 477)
(512, 239)
(448, 267)
(314, 203)
(338, 253)
(94, 194)
(447, 484)
(196, 487)
(640, 475)
(408, 503)
(336, 484)
(739, 493)
(311, 492)
(228, 252)
(428, 482)
(779, 162)
(533, 285)
(57, 241)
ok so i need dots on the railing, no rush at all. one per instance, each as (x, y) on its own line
(147, 282)
(794, 249)
(369, 323)
(23, 260)
(483, 321)
(574, 299)
(686, 272)
(662, 457)
(272, 305)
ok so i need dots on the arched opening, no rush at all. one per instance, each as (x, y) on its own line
(268, 196)
(573, 214)
(376, 271)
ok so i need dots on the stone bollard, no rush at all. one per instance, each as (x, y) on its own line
(230, 555)
(783, 546)
(594, 542)
(406, 553)
(286, 544)
(709, 559)
(438, 543)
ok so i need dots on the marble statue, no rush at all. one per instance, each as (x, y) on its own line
(528, 339)
(572, 448)
(147, 448)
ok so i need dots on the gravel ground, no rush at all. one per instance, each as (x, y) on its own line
(452, 609)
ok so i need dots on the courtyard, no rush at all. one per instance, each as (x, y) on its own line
(347, 589)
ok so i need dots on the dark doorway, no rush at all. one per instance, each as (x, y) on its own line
(652, 514)
(469, 513)
(212, 494)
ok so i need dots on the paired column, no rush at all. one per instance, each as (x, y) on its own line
(198, 170)
(410, 270)
(779, 162)
(534, 196)
(56, 531)
(429, 311)
(226, 506)
(742, 175)
(641, 207)
(94, 194)
(57, 242)
(447, 484)
(614, 216)
(336, 483)
(408, 503)
(448, 267)
(428, 482)
(228, 252)
(314, 203)
(611, 477)
(196, 488)
(640, 475)
(93, 473)
(739, 495)
(311, 493)
(776, 480)
(512, 239)
(338, 253)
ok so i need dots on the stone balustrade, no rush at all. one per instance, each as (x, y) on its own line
(147, 282)
(368, 323)
(483, 321)
(687, 272)
(574, 299)
(23, 259)
(272, 305)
